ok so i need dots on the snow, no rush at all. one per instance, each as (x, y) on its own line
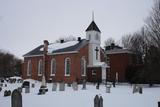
(120, 96)
(56, 46)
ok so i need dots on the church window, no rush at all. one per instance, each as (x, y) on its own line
(53, 67)
(67, 67)
(29, 68)
(83, 66)
(89, 37)
(40, 67)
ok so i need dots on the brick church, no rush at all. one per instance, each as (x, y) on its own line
(68, 61)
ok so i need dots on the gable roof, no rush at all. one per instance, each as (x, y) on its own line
(70, 48)
(93, 26)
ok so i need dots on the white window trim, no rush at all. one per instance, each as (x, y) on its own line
(83, 66)
(28, 67)
(66, 66)
(40, 67)
(52, 68)
(93, 72)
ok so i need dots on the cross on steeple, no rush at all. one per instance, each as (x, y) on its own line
(96, 53)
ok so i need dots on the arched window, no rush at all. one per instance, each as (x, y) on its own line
(29, 68)
(97, 36)
(67, 66)
(53, 67)
(40, 67)
(83, 66)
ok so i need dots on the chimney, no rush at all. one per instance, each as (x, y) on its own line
(79, 39)
(46, 43)
(62, 41)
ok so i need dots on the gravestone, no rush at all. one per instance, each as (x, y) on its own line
(135, 89)
(5, 85)
(27, 89)
(114, 84)
(69, 85)
(33, 85)
(25, 84)
(140, 90)
(100, 101)
(54, 87)
(84, 85)
(19, 89)
(96, 101)
(108, 88)
(75, 86)
(16, 99)
(97, 87)
(0, 89)
(1, 84)
(158, 104)
(7, 93)
(61, 86)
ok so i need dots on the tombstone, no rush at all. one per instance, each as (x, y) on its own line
(5, 85)
(0, 89)
(97, 87)
(158, 104)
(100, 101)
(61, 86)
(19, 89)
(84, 85)
(108, 88)
(7, 93)
(96, 101)
(54, 87)
(33, 85)
(16, 99)
(69, 85)
(75, 86)
(134, 88)
(1, 84)
(114, 84)
(26, 84)
(27, 89)
(140, 90)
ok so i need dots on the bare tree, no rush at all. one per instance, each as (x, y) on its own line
(109, 41)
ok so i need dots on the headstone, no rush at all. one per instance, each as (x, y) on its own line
(5, 85)
(33, 85)
(19, 89)
(69, 85)
(75, 86)
(0, 89)
(61, 86)
(108, 88)
(84, 85)
(96, 101)
(1, 85)
(7, 93)
(16, 99)
(27, 89)
(43, 82)
(114, 84)
(140, 90)
(135, 89)
(97, 87)
(25, 84)
(100, 101)
(158, 104)
(54, 87)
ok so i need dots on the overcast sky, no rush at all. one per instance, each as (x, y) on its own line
(24, 24)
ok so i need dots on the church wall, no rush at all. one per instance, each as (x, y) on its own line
(118, 63)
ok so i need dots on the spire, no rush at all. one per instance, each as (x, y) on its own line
(92, 15)
(93, 25)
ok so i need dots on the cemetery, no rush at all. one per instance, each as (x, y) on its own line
(31, 94)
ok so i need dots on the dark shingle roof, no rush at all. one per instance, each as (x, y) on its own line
(93, 26)
(76, 47)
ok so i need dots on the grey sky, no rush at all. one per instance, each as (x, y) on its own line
(24, 24)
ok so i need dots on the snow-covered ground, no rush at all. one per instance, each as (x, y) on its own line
(120, 96)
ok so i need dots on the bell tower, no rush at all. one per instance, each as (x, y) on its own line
(93, 35)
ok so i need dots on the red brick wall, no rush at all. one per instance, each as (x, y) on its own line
(60, 68)
(118, 63)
